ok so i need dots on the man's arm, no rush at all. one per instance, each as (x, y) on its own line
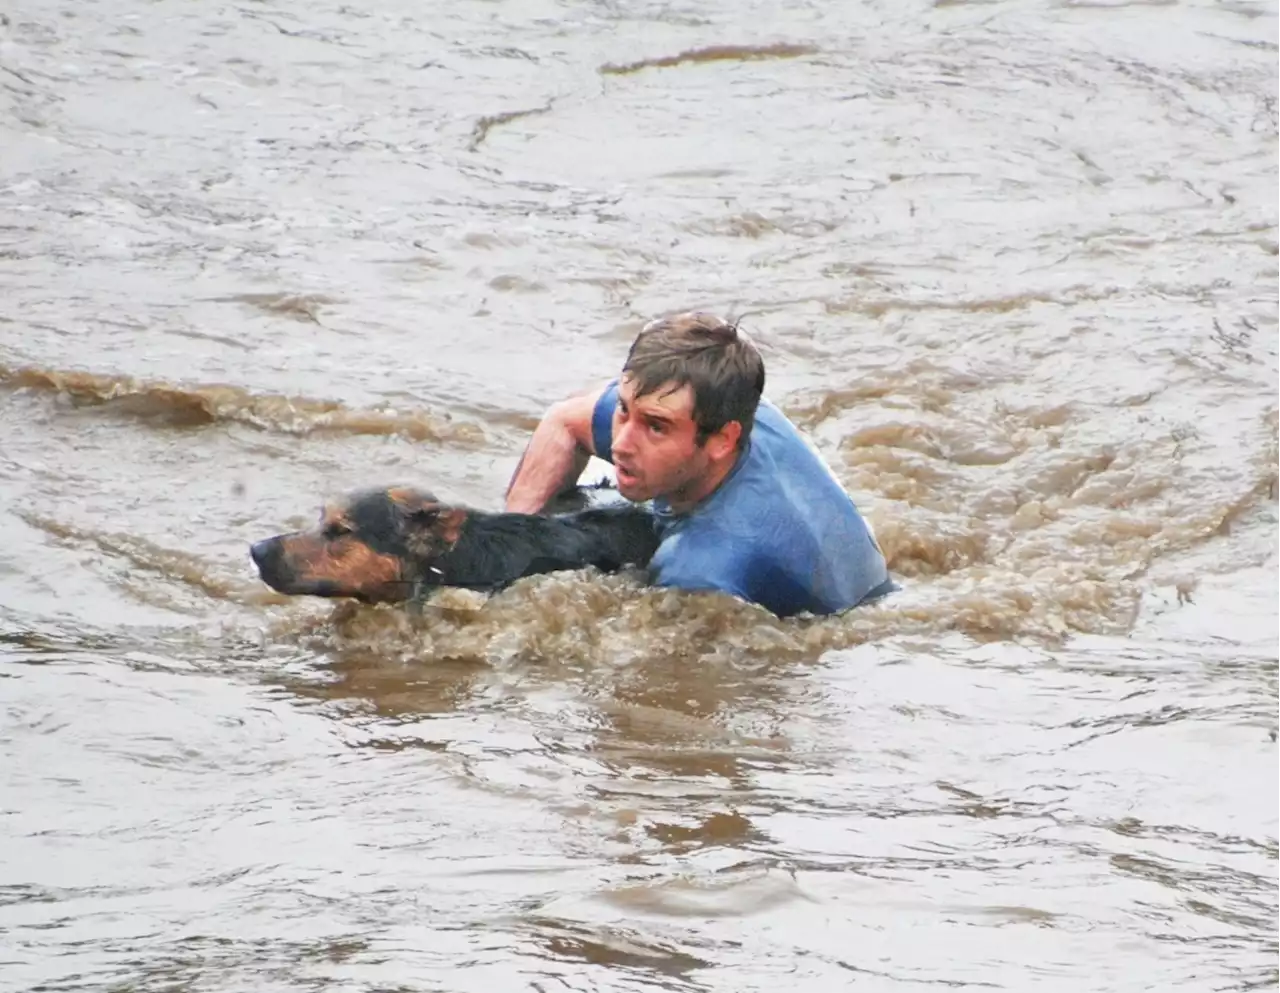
(556, 456)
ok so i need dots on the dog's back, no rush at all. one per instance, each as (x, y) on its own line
(496, 549)
(585, 496)
(619, 535)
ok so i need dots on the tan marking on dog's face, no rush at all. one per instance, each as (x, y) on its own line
(345, 563)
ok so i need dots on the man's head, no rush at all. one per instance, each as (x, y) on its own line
(686, 405)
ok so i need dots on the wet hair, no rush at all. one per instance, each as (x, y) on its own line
(717, 361)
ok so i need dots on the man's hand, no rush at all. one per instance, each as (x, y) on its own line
(556, 456)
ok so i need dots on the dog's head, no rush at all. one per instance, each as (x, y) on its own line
(375, 546)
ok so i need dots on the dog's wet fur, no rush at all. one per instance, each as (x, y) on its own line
(396, 545)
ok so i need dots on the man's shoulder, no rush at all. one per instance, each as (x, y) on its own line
(772, 416)
(781, 482)
(777, 436)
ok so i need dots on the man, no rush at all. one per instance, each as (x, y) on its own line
(745, 505)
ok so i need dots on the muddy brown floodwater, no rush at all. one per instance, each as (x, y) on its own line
(1013, 267)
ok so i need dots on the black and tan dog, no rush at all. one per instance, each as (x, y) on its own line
(392, 545)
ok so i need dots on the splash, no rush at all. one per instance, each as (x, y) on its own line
(713, 53)
(195, 406)
(303, 307)
(480, 133)
(1034, 520)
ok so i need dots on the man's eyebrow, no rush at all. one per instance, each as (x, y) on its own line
(658, 414)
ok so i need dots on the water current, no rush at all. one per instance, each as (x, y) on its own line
(1013, 267)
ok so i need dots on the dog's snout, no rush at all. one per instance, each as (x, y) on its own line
(268, 556)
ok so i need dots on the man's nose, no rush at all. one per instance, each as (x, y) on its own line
(623, 439)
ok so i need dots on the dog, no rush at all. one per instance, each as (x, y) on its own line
(396, 545)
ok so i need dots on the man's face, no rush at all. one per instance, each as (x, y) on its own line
(655, 449)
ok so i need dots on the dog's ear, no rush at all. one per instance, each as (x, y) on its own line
(415, 504)
(423, 510)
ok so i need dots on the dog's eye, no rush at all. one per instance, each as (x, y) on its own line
(334, 530)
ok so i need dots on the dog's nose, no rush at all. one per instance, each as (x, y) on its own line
(262, 552)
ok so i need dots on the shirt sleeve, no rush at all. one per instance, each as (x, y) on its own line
(602, 422)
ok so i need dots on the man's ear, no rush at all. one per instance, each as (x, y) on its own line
(724, 442)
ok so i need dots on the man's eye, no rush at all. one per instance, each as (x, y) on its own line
(657, 427)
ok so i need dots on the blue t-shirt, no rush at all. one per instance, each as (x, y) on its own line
(780, 530)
